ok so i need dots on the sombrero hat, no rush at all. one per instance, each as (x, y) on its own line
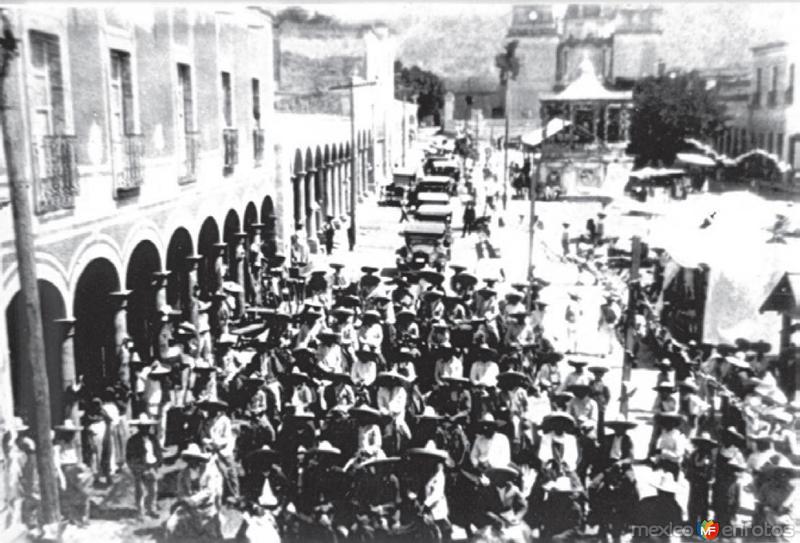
(369, 270)
(779, 466)
(562, 396)
(342, 312)
(670, 417)
(558, 420)
(366, 415)
(704, 438)
(336, 265)
(325, 449)
(664, 364)
(488, 421)
(329, 336)
(458, 268)
(366, 355)
(577, 363)
(456, 381)
(431, 276)
(186, 329)
(666, 386)
(432, 295)
(666, 483)
(485, 353)
(266, 455)
(598, 371)
(157, 369)
(142, 420)
(232, 287)
(370, 281)
(563, 485)
(193, 452)
(620, 424)
(429, 451)
(406, 314)
(372, 314)
(500, 475)
(297, 377)
(203, 366)
(487, 292)
(734, 433)
(688, 383)
(212, 405)
(391, 379)
(429, 413)
(737, 362)
(512, 379)
(68, 427)
(514, 295)
(464, 280)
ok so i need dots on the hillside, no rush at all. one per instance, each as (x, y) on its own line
(463, 44)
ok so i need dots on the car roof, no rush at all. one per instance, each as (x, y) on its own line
(426, 228)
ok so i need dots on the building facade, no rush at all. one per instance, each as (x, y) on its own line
(763, 112)
(621, 41)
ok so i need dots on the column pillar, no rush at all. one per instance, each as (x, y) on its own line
(67, 329)
(342, 208)
(606, 118)
(254, 253)
(121, 354)
(300, 204)
(308, 182)
(330, 167)
(240, 266)
(220, 265)
(327, 183)
(192, 311)
(160, 288)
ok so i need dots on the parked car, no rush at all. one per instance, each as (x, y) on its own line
(437, 183)
(403, 180)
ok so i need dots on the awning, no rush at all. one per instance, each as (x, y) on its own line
(648, 172)
(781, 165)
(537, 136)
(695, 160)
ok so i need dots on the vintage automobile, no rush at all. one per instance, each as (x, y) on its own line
(421, 238)
(442, 213)
(442, 166)
(438, 198)
(403, 179)
(432, 183)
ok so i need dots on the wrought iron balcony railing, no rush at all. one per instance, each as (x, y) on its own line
(192, 151)
(128, 164)
(258, 146)
(56, 173)
(230, 140)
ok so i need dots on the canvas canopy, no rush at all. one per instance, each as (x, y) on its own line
(744, 267)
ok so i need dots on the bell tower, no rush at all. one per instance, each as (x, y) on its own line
(535, 27)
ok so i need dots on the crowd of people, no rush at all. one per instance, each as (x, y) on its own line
(347, 405)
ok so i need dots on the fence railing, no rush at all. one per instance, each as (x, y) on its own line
(129, 169)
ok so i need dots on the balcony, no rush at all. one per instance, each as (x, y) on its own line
(56, 173)
(756, 100)
(230, 140)
(192, 151)
(788, 96)
(128, 169)
(258, 146)
(772, 98)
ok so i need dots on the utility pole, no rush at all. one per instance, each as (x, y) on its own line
(505, 151)
(630, 318)
(353, 151)
(531, 229)
(12, 129)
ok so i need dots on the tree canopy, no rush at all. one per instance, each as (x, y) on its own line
(427, 86)
(508, 63)
(668, 109)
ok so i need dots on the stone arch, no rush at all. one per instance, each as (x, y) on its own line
(96, 246)
(48, 268)
(52, 305)
(144, 262)
(143, 231)
(94, 310)
(208, 236)
(250, 216)
(179, 248)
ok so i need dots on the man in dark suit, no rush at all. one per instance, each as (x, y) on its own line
(616, 446)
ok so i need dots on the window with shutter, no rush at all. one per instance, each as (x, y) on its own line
(256, 84)
(47, 88)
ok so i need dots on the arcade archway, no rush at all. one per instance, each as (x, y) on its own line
(139, 278)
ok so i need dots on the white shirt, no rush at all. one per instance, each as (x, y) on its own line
(494, 451)
(221, 434)
(435, 498)
(484, 373)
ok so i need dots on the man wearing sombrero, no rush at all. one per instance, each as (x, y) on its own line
(143, 455)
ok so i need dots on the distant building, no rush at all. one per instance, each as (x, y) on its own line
(477, 94)
(315, 55)
(621, 41)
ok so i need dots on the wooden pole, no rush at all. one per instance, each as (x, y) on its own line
(633, 292)
(20, 189)
(532, 230)
(505, 151)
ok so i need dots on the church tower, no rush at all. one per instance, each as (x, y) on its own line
(535, 28)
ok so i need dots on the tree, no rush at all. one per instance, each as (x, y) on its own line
(427, 86)
(668, 109)
(508, 64)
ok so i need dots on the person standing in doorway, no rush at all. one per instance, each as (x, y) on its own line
(468, 219)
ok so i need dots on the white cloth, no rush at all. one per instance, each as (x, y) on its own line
(570, 455)
(494, 451)
(484, 373)
(435, 498)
